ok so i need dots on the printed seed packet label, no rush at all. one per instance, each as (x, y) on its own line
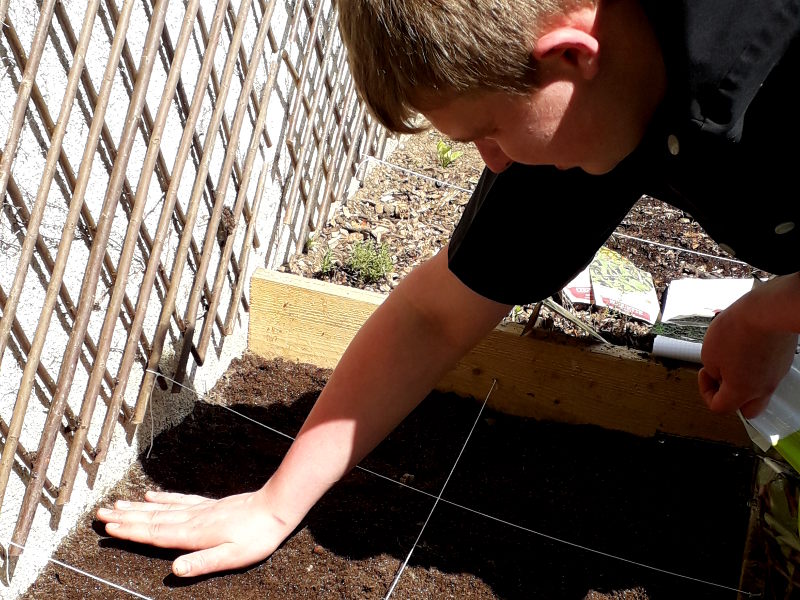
(619, 284)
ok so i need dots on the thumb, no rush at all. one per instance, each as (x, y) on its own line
(709, 386)
(218, 558)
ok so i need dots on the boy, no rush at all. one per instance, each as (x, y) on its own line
(565, 100)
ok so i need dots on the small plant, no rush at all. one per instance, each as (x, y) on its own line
(309, 244)
(327, 266)
(369, 263)
(447, 156)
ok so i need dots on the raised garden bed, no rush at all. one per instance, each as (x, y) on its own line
(609, 451)
(673, 503)
(536, 508)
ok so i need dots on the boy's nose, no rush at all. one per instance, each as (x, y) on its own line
(492, 155)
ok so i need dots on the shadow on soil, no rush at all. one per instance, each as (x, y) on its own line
(676, 504)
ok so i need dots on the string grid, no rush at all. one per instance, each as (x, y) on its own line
(437, 499)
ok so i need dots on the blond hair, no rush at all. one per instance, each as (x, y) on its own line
(403, 54)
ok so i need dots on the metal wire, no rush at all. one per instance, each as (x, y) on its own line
(678, 249)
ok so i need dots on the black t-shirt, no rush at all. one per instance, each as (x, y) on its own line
(723, 146)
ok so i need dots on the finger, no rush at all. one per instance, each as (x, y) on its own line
(728, 398)
(219, 558)
(174, 498)
(754, 407)
(151, 506)
(708, 385)
(142, 516)
(145, 506)
(163, 535)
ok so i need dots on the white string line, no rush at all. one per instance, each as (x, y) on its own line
(678, 249)
(81, 572)
(623, 235)
(479, 513)
(606, 554)
(491, 517)
(410, 172)
(402, 568)
(517, 526)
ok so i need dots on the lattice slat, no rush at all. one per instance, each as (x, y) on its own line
(293, 68)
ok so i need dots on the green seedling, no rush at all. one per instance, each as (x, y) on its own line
(327, 266)
(368, 262)
(309, 244)
(447, 156)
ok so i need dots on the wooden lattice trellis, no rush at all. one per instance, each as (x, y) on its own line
(325, 134)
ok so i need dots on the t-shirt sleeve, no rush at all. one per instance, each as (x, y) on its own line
(527, 231)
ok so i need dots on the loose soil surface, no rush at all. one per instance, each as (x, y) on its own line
(674, 504)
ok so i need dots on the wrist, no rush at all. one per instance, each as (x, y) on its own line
(773, 306)
(284, 515)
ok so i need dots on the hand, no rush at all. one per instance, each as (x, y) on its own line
(229, 533)
(743, 362)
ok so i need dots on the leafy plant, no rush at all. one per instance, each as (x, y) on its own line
(369, 262)
(327, 266)
(447, 156)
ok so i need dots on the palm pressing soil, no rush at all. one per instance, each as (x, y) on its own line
(675, 504)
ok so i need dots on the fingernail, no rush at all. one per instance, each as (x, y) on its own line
(103, 512)
(181, 568)
(123, 504)
(112, 526)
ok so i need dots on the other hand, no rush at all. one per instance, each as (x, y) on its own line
(224, 534)
(743, 362)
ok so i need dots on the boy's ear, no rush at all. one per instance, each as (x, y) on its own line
(579, 48)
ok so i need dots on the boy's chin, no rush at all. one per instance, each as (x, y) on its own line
(599, 169)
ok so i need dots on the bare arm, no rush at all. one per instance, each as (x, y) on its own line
(415, 336)
(748, 347)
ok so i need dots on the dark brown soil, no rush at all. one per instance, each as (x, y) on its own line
(675, 504)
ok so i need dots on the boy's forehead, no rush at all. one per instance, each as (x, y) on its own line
(471, 134)
(462, 119)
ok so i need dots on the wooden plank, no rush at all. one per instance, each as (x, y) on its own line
(303, 319)
(547, 378)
